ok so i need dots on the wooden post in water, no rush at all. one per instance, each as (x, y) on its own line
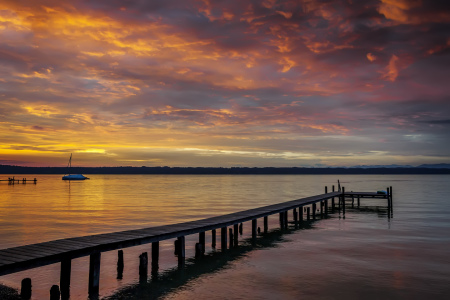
(326, 207)
(343, 200)
(230, 233)
(254, 228)
(181, 250)
(155, 257)
(266, 224)
(321, 208)
(94, 274)
(333, 205)
(314, 211)
(308, 211)
(213, 238)
(143, 267)
(54, 292)
(240, 228)
(359, 201)
(235, 233)
(286, 219)
(25, 289)
(202, 241)
(300, 214)
(294, 212)
(223, 238)
(281, 215)
(64, 278)
(120, 266)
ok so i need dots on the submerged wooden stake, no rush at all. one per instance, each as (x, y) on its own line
(25, 289)
(266, 224)
(254, 223)
(213, 238)
(223, 238)
(120, 265)
(64, 278)
(55, 293)
(94, 274)
(230, 233)
(143, 267)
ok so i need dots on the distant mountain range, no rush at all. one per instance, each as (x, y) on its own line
(442, 168)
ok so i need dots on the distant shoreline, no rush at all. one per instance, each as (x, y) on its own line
(8, 169)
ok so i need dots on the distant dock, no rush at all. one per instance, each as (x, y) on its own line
(63, 251)
(13, 180)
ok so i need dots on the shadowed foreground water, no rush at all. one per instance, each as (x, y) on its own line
(366, 255)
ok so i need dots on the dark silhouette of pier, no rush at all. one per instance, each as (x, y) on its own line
(63, 251)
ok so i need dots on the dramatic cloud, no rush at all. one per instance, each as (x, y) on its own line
(224, 83)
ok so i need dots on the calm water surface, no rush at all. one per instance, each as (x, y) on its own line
(364, 255)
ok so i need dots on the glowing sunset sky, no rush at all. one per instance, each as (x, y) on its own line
(224, 83)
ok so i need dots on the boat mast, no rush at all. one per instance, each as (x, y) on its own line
(70, 163)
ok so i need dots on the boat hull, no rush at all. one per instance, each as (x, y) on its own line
(74, 177)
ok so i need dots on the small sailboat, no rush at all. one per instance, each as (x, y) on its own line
(73, 176)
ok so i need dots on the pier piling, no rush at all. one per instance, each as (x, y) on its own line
(254, 223)
(64, 278)
(213, 238)
(55, 293)
(223, 238)
(143, 267)
(120, 265)
(94, 274)
(25, 289)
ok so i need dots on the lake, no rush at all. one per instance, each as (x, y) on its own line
(367, 254)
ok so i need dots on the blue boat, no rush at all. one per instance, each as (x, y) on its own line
(73, 176)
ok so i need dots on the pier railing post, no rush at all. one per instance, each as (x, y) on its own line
(64, 278)
(94, 274)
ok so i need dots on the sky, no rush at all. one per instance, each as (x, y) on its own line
(224, 83)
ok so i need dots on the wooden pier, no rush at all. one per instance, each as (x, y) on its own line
(63, 251)
(15, 181)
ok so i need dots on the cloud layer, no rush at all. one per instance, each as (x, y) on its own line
(224, 83)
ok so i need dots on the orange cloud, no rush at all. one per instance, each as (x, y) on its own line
(371, 57)
(391, 70)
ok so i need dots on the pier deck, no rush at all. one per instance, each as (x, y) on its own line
(64, 250)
